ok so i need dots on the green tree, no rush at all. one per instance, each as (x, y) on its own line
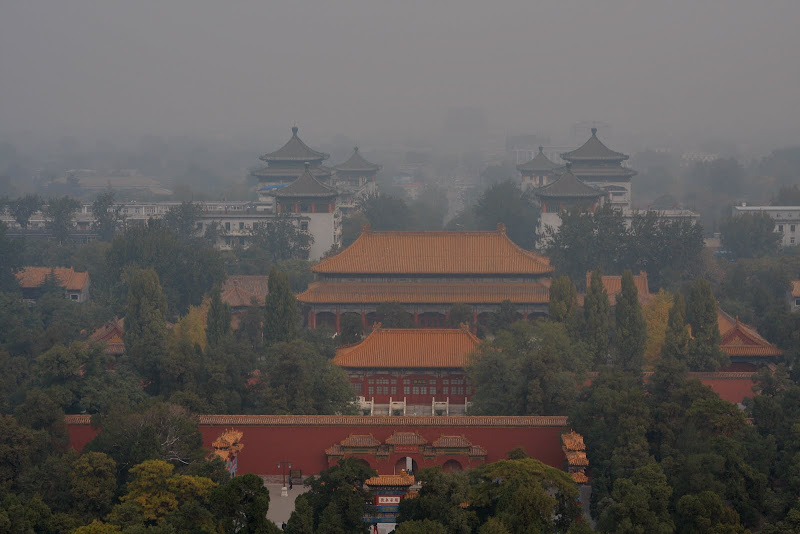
(182, 220)
(706, 512)
(461, 314)
(701, 313)
(393, 315)
(218, 319)
(639, 504)
(630, 332)
(423, 526)
(241, 505)
(352, 329)
(60, 214)
(93, 483)
(525, 496)
(281, 239)
(439, 500)
(22, 208)
(335, 500)
(676, 340)
(385, 213)
(750, 235)
(10, 260)
(107, 215)
(280, 310)
(595, 312)
(145, 333)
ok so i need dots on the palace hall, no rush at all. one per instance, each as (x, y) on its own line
(428, 273)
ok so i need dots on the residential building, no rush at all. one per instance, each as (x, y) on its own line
(794, 296)
(75, 284)
(787, 220)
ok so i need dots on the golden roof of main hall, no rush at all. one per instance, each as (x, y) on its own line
(391, 348)
(434, 253)
(740, 339)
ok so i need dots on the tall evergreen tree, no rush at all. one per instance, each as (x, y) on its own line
(280, 310)
(630, 333)
(701, 312)
(563, 305)
(145, 334)
(595, 311)
(676, 340)
(218, 319)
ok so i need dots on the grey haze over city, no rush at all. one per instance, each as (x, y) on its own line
(657, 73)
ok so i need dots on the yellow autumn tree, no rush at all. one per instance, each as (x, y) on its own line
(192, 326)
(656, 314)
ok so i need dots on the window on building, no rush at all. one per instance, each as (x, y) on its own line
(432, 381)
(445, 381)
(797, 302)
(357, 387)
(415, 390)
(406, 390)
(73, 297)
(780, 228)
(433, 390)
(445, 390)
(791, 228)
(304, 226)
(371, 390)
(241, 226)
(423, 390)
(199, 226)
(406, 381)
(228, 226)
(371, 381)
(791, 241)
(394, 390)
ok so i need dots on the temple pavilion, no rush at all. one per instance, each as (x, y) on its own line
(428, 273)
(568, 193)
(355, 178)
(597, 165)
(287, 163)
(539, 171)
(745, 347)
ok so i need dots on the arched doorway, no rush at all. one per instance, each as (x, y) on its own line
(452, 466)
(406, 463)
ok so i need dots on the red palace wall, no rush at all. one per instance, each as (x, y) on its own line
(302, 440)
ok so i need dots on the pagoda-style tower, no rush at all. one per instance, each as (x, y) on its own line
(286, 164)
(597, 165)
(539, 171)
(313, 205)
(355, 178)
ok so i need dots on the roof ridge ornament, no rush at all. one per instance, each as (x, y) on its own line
(501, 227)
(594, 132)
(294, 131)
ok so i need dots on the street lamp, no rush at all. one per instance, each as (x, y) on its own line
(285, 465)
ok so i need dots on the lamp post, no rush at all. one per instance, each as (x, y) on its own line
(283, 466)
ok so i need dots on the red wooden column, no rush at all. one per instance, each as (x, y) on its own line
(338, 322)
(312, 319)
(364, 320)
(416, 319)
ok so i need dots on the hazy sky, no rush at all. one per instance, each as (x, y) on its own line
(365, 68)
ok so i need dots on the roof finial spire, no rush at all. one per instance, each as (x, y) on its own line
(541, 149)
(307, 165)
(294, 130)
(594, 132)
(568, 166)
(355, 149)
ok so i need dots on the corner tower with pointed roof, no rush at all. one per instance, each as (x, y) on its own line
(539, 171)
(355, 178)
(597, 165)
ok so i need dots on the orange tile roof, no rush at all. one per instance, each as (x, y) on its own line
(795, 288)
(434, 253)
(239, 290)
(613, 286)
(111, 334)
(573, 441)
(477, 450)
(389, 348)
(403, 479)
(518, 421)
(71, 280)
(360, 440)
(327, 292)
(452, 442)
(576, 458)
(406, 438)
(740, 339)
(579, 477)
